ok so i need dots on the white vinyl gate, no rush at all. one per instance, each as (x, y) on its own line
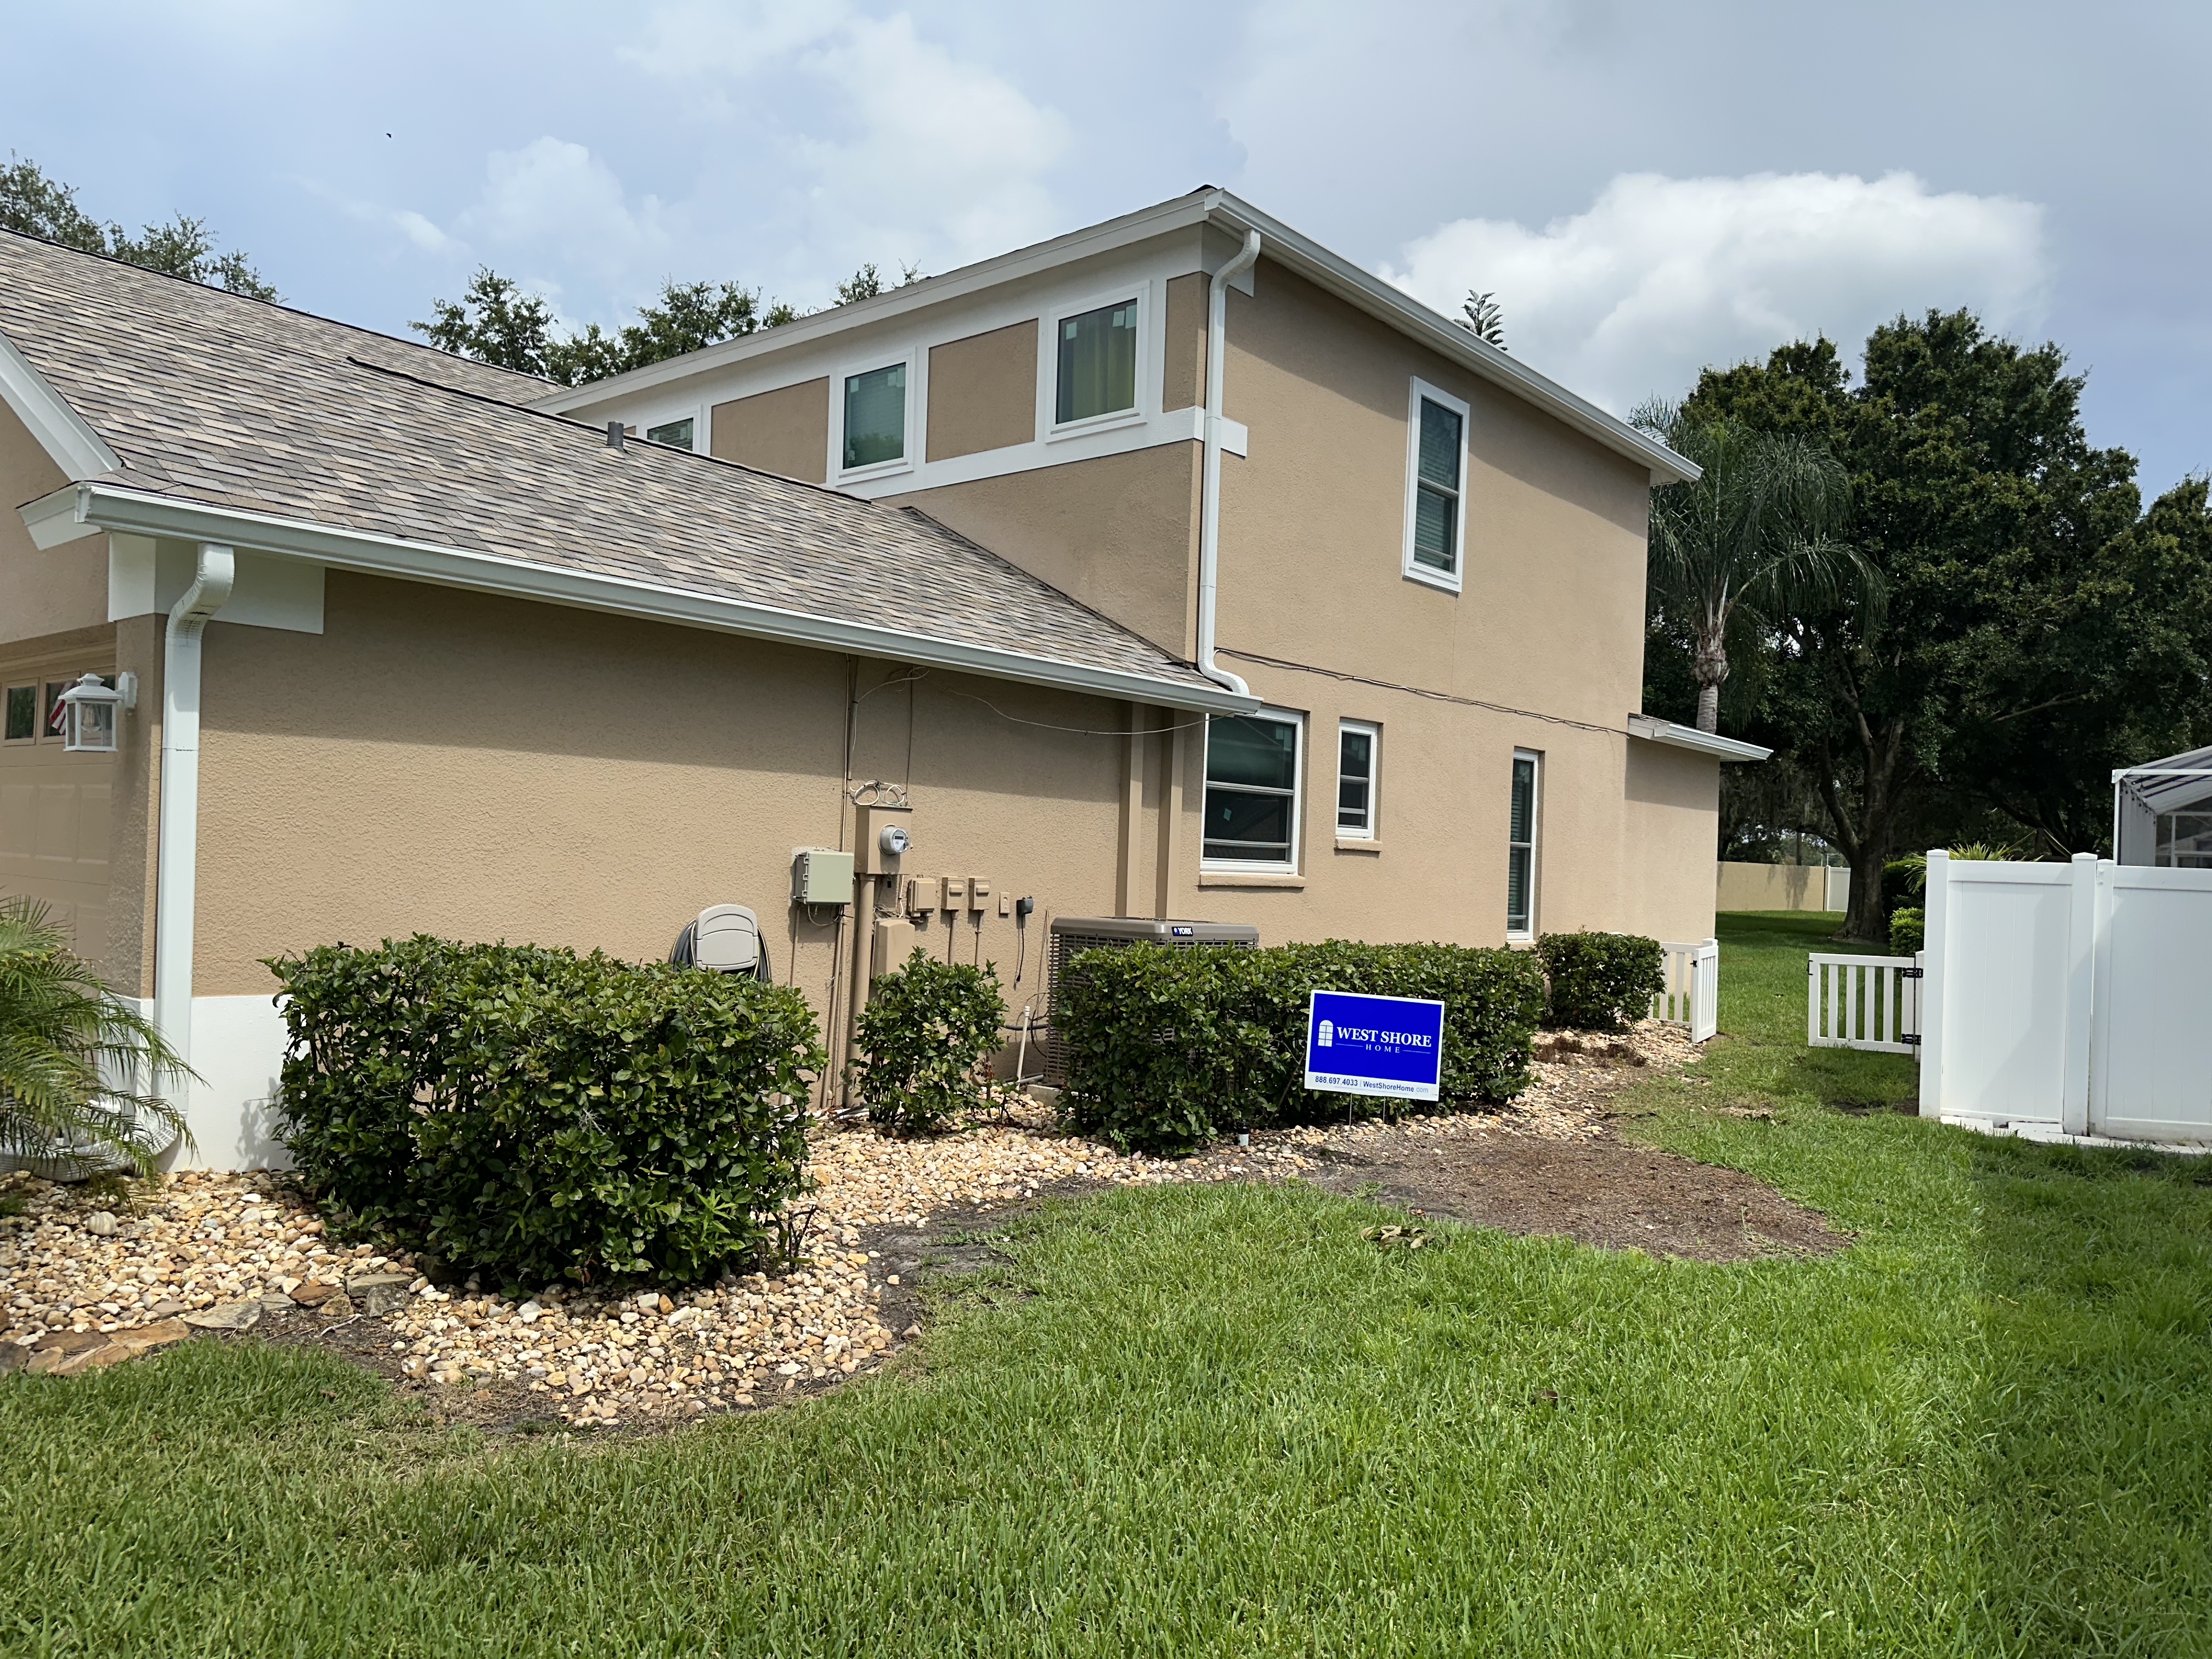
(1864, 1002)
(1693, 992)
(2068, 996)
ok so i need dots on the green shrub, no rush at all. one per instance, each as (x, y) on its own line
(538, 1115)
(1907, 931)
(928, 1032)
(1601, 982)
(1167, 1049)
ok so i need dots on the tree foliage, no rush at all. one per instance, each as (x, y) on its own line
(1483, 317)
(2038, 627)
(498, 322)
(33, 204)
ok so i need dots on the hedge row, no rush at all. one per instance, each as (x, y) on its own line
(539, 1115)
(1166, 1049)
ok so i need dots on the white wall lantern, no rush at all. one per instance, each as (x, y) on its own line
(91, 706)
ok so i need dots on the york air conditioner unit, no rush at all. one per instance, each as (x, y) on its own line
(1072, 935)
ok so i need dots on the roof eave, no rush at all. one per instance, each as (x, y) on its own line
(1652, 729)
(82, 508)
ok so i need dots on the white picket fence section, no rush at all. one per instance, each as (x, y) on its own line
(1864, 1002)
(1693, 992)
(2067, 996)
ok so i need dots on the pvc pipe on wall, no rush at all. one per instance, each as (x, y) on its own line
(179, 831)
(1209, 521)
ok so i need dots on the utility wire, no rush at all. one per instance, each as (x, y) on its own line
(1421, 691)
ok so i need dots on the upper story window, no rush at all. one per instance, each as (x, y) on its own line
(1356, 744)
(1252, 769)
(1436, 502)
(1098, 363)
(1521, 849)
(875, 418)
(677, 434)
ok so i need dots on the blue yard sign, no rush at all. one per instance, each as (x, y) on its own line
(1392, 1046)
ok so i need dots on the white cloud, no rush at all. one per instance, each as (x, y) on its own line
(894, 148)
(1662, 276)
(552, 197)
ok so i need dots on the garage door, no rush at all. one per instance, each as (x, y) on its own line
(54, 810)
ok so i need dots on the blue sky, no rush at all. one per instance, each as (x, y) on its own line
(1648, 188)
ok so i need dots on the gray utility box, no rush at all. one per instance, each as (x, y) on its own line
(1072, 935)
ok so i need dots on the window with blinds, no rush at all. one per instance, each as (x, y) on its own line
(1521, 849)
(1436, 503)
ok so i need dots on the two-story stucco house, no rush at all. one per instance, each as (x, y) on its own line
(1175, 567)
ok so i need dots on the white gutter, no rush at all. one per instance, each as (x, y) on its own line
(178, 859)
(81, 509)
(1209, 512)
(1652, 729)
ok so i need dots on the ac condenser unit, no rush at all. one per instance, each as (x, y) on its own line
(1072, 935)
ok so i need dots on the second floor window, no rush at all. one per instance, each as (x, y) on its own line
(677, 434)
(875, 416)
(1098, 363)
(1436, 488)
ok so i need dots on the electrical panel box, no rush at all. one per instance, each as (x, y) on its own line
(955, 894)
(979, 893)
(892, 941)
(922, 893)
(821, 875)
(885, 831)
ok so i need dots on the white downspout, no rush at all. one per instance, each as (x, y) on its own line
(178, 857)
(1209, 511)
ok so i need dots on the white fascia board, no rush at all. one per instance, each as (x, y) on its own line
(1184, 212)
(105, 508)
(1652, 729)
(1372, 295)
(61, 431)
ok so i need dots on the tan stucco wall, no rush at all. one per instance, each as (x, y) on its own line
(786, 431)
(1118, 532)
(48, 591)
(982, 391)
(1551, 617)
(1183, 379)
(1782, 887)
(485, 768)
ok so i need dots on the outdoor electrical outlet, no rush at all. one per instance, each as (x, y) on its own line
(1005, 904)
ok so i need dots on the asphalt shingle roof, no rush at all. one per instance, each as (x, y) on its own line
(228, 403)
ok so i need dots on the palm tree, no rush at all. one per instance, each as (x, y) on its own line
(1750, 535)
(63, 1035)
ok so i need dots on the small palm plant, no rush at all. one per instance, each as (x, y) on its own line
(66, 1044)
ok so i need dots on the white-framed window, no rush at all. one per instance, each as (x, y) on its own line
(1436, 486)
(1521, 846)
(1097, 360)
(1255, 764)
(872, 419)
(1358, 770)
(677, 434)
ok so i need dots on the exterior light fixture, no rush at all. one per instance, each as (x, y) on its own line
(91, 706)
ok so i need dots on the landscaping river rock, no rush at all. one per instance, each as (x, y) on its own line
(91, 1277)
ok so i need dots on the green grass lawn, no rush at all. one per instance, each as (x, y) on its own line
(1218, 1421)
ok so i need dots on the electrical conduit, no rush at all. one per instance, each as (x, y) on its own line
(1209, 520)
(179, 832)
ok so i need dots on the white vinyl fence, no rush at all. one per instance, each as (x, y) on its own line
(1864, 1002)
(1692, 994)
(2067, 996)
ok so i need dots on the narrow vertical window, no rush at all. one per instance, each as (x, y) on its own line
(22, 713)
(875, 416)
(1356, 745)
(1521, 850)
(1252, 790)
(1098, 363)
(1436, 503)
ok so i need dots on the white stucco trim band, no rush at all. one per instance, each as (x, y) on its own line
(1652, 729)
(82, 508)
